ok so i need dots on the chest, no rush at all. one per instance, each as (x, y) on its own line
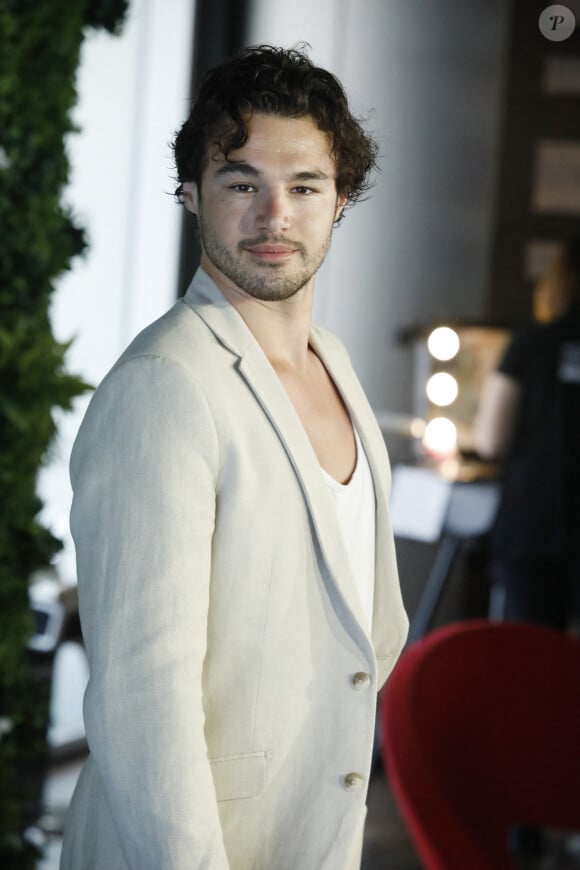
(325, 419)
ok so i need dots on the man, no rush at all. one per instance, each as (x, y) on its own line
(529, 416)
(237, 579)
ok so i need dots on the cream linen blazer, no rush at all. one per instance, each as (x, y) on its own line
(226, 726)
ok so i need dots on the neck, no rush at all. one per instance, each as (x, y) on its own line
(281, 327)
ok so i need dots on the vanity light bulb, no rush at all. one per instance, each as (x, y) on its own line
(443, 343)
(442, 389)
(440, 438)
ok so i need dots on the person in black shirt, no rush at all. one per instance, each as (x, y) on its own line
(530, 417)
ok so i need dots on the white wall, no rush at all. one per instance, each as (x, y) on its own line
(417, 250)
(132, 94)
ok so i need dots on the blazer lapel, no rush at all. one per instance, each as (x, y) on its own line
(254, 367)
(372, 440)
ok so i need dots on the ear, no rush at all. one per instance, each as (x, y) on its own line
(341, 201)
(190, 196)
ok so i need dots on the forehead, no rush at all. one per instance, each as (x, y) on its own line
(277, 140)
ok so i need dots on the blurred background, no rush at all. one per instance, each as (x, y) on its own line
(477, 114)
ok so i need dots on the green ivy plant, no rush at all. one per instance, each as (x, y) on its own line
(39, 53)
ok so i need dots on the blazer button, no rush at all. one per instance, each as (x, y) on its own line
(360, 680)
(353, 781)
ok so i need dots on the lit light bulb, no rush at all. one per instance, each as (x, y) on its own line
(442, 389)
(440, 437)
(443, 343)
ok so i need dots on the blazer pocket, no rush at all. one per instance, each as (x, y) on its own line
(239, 776)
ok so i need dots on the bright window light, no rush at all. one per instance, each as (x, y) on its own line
(440, 437)
(443, 343)
(442, 389)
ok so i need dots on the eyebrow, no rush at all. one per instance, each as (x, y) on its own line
(235, 167)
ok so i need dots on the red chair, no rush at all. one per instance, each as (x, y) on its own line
(480, 732)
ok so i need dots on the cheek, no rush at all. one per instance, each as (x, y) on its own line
(222, 216)
(321, 221)
(232, 223)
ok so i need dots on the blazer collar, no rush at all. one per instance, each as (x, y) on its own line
(230, 329)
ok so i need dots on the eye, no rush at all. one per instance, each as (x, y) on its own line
(303, 191)
(243, 187)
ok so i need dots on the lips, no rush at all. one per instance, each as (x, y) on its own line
(271, 249)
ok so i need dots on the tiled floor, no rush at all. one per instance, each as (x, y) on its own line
(387, 845)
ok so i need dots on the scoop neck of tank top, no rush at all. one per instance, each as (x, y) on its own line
(333, 482)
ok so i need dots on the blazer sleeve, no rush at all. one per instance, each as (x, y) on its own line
(144, 470)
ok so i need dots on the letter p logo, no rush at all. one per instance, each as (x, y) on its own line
(557, 23)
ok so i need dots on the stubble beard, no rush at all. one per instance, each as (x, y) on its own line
(269, 282)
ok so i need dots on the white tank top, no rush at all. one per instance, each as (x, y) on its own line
(354, 503)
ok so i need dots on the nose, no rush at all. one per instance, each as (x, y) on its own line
(272, 211)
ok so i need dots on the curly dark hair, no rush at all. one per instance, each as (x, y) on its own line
(275, 81)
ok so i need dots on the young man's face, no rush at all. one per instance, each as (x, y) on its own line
(265, 215)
